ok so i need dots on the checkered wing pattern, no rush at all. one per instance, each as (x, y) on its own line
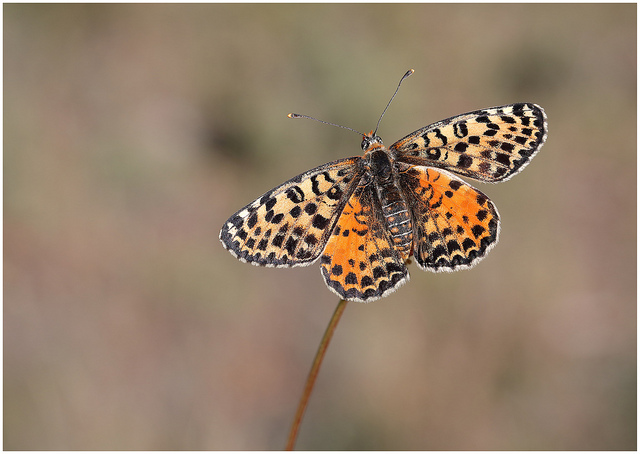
(488, 145)
(290, 225)
(455, 225)
(360, 262)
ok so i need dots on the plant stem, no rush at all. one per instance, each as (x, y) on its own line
(313, 374)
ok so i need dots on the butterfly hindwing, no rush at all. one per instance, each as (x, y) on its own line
(455, 225)
(488, 145)
(291, 224)
(360, 262)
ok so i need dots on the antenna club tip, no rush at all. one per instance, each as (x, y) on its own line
(291, 115)
(411, 71)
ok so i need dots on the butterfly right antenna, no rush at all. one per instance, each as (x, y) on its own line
(407, 74)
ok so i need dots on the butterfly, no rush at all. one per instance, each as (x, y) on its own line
(364, 217)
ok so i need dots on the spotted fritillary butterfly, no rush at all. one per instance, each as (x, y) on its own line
(364, 216)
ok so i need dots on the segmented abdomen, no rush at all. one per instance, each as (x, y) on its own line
(396, 214)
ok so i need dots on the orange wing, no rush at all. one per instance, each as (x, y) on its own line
(455, 225)
(360, 262)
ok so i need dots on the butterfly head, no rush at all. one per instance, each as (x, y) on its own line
(371, 141)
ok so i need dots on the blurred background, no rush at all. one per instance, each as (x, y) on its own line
(132, 132)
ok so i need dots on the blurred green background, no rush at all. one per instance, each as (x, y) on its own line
(132, 132)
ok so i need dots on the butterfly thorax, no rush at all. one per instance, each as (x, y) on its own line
(382, 174)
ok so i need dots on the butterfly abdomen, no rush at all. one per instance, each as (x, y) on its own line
(397, 217)
(393, 206)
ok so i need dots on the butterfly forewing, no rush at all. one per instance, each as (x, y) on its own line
(488, 145)
(290, 224)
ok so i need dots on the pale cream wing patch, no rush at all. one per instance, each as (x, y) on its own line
(488, 145)
(290, 225)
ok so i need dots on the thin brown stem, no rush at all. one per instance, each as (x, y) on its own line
(313, 374)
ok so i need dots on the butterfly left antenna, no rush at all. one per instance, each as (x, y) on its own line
(407, 74)
(295, 115)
